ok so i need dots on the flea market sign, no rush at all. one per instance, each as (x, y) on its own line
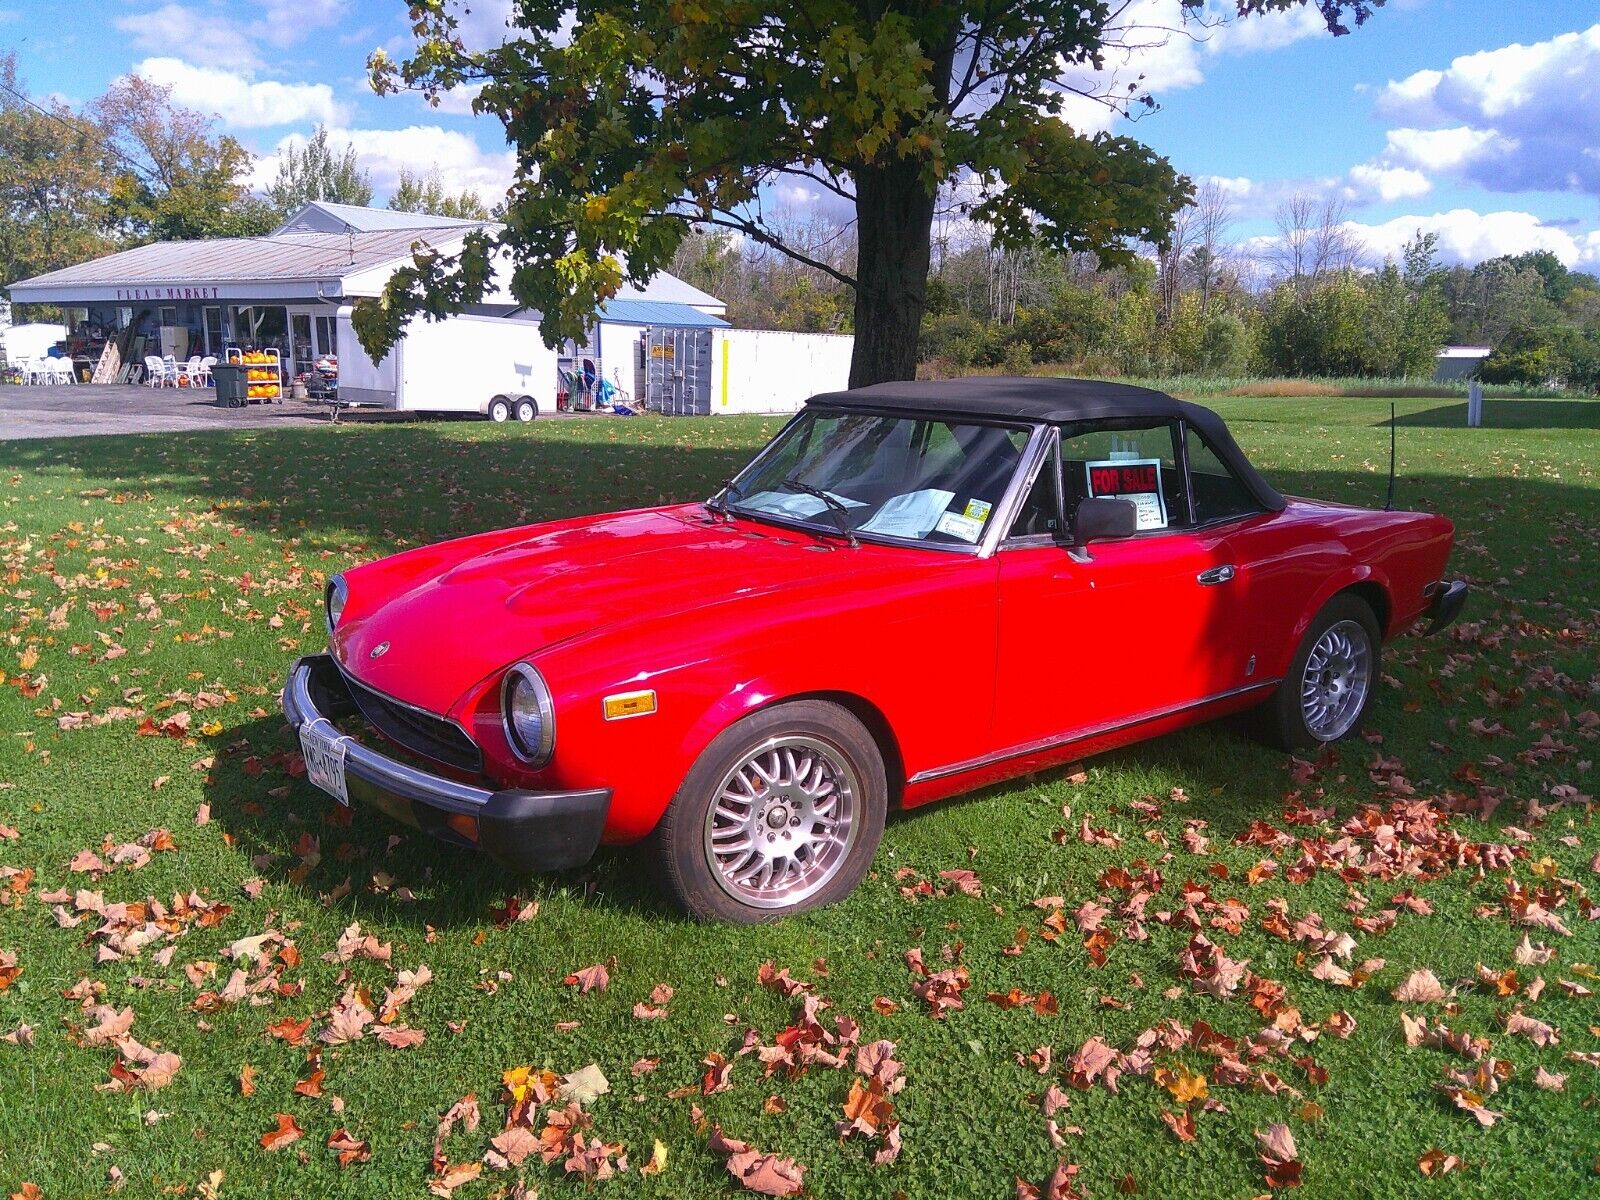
(169, 293)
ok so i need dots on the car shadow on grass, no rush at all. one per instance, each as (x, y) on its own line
(295, 834)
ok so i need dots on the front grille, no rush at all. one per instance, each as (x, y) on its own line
(420, 732)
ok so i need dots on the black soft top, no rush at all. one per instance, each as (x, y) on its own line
(1056, 402)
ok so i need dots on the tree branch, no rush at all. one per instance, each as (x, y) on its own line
(728, 220)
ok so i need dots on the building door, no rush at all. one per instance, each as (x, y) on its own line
(678, 370)
(325, 328)
(302, 352)
(215, 335)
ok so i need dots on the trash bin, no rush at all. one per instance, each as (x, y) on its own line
(233, 386)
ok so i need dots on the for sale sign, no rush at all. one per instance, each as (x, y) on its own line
(1136, 479)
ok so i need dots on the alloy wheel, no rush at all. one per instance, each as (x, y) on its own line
(783, 821)
(1334, 686)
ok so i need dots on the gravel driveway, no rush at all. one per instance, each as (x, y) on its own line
(65, 410)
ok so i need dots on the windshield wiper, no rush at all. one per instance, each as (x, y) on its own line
(719, 502)
(841, 514)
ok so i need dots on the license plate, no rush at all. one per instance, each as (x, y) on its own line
(324, 755)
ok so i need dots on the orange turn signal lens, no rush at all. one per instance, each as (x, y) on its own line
(629, 704)
(465, 825)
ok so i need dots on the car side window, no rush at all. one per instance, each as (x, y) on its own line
(1126, 461)
(1040, 514)
(1219, 494)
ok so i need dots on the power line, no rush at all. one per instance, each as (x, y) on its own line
(97, 135)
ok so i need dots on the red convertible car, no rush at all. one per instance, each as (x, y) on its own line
(916, 589)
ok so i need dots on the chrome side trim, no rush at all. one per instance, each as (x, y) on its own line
(1082, 735)
(375, 768)
(1028, 465)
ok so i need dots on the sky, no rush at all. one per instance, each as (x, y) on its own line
(1475, 119)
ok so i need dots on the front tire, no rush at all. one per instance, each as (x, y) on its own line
(781, 813)
(1329, 687)
(499, 410)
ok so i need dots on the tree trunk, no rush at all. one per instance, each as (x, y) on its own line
(894, 223)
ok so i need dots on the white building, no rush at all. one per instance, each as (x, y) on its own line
(284, 291)
(1459, 362)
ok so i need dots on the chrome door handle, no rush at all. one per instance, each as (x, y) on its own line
(1215, 575)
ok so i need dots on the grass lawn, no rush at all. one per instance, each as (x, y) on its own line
(154, 590)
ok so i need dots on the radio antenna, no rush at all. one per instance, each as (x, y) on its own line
(1388, 505)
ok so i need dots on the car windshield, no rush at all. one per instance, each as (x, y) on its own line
(883, 477)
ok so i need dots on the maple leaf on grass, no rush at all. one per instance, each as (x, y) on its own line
(588, 979)
(1419, 987)
(288, 1130)
(349, 1148)
(1471, 1102)
(766, 1174)
(1437, 1162)
(1276, 1149)
(1536, 1031)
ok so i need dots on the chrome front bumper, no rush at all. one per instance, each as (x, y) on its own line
(1446, 599)
(525, 831)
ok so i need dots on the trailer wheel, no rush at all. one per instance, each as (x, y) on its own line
(527, 410)
(499, 410)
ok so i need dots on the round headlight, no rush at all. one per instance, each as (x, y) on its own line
(529, 715)
(337, 594)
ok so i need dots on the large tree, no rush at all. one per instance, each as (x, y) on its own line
(319, 171)
(172, 178)
(53, 184)
(427, 194)
(631, 120)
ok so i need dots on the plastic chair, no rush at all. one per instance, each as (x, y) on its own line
(206, 364)
(189, 372)
(62, 370)
(155, 371)
(25, 369)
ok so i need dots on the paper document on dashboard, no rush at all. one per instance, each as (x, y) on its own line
(910, 516)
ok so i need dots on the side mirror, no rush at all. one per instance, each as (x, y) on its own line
(1102, 519)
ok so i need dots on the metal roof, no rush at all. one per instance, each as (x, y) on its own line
(289, 256)
(667, 287)
(658, 312)
(325, 216)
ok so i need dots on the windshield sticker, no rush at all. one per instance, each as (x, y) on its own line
(911, 515)
(978, 510)
(1136, 479)
(960, 526)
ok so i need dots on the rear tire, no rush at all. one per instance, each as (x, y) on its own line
(1329, 687)
(527, 410)
(499, 410)
(781, 813)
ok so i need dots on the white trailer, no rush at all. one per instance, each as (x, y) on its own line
(726, 371)
(496, 366)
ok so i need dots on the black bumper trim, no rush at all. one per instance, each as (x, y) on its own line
(1445, 603)
(525, 831)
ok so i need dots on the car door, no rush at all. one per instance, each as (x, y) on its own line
(1119, 631)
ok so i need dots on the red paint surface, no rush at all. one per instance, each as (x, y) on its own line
(949, 657)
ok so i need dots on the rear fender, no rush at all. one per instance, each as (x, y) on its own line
(1341, 581)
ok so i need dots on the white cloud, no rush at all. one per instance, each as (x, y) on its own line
(1161, 46)
(420, 149)
(1522, 117)
(1270, 31)
(1443, 149)
(208, 36)
(241, 102)
(204, 37)
(1388, 183)
(1467, 236)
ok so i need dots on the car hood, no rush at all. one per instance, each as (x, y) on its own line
(451, 615)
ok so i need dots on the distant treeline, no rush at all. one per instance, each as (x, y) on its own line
(1307, 307)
